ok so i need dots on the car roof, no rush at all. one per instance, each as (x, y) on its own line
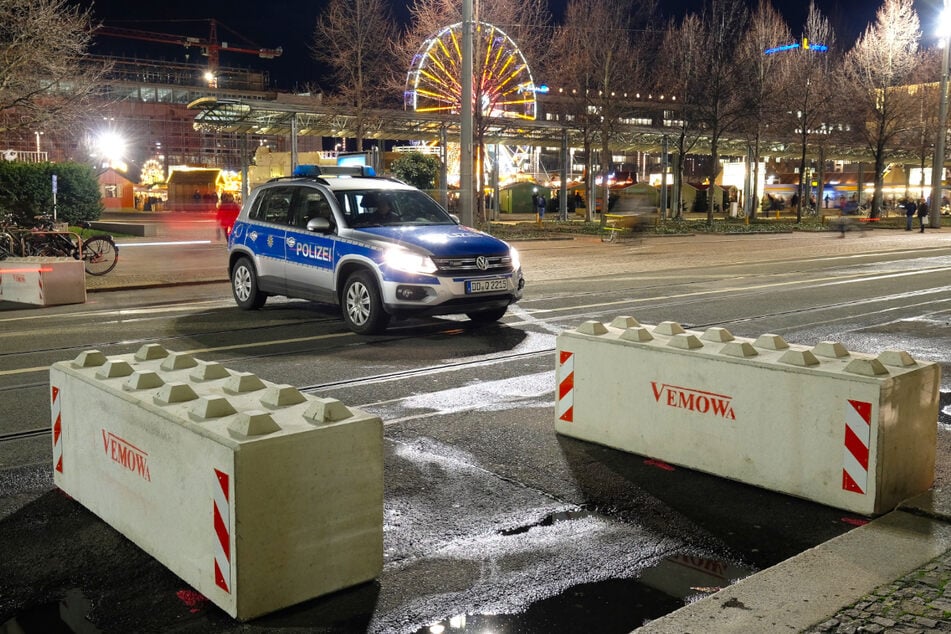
(344, 183)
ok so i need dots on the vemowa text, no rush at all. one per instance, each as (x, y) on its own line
(127, 455)
(695, 400)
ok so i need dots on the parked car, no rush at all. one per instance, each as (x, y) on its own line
(322, 235)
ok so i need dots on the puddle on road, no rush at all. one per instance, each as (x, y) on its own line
(57, 617)
(613, 605)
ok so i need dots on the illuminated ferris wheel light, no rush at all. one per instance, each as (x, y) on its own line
(505, 84)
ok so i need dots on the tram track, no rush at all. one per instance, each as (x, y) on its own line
(441, 368)
(685, 287)
(541, 315)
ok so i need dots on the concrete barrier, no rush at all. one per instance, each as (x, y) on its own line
(141, 229)
(42, 281)
(257, 495)
(848, 430)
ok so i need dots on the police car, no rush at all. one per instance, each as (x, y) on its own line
(379, 248)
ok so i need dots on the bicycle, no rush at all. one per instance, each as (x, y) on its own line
(99, 253)
(13, 242)
(617, 226)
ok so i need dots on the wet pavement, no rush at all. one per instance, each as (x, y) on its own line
(914, 600)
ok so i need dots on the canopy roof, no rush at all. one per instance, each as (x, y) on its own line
(309, 118)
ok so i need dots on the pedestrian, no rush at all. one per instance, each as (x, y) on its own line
(910, 209)
(540, 208)
(226, 216)
(922, 213)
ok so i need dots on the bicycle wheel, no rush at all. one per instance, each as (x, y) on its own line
(609, 234)
(100, 254)
(7, 246)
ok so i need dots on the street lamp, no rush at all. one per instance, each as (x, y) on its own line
(937, 166)
(111, 148)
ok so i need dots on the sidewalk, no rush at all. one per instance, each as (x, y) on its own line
(183, 250)
(890, 575)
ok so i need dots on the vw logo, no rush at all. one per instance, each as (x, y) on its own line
(482, 262)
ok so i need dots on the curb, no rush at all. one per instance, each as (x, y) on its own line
(811, 587)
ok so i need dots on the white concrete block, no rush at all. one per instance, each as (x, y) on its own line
(228, 480)
(849, 430)
(43, 281)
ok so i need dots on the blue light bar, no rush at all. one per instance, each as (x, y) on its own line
(314, 171)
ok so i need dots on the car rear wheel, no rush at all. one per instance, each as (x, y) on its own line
(362, 306)
(244, 286)
(487, 316)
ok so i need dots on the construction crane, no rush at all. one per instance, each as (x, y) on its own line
(211, 47)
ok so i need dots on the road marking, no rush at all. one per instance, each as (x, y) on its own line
(261, 344)
(237, 346)
(823, 281)
(527, 318)
(120, 312)
(126, 245)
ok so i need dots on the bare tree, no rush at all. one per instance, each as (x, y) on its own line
(355, 39)
(919, 139)
(810, 94)
(878, 69)
(679, 73)
(595, 54)
(763, 74)
(46, 79)
(719, 100)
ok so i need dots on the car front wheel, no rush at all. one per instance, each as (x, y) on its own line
(362, 306)
(244, 286)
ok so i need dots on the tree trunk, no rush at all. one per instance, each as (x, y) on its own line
(714, 172)
(588, 198)
(802, 180)
(754, 195)
(605, 170)
(876, 210)
(677, 186)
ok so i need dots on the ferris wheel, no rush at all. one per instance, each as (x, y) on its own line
(433, 83)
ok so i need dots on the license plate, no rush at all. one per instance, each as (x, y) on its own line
(486, 286)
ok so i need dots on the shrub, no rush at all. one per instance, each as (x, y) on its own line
(26, 191)
(417, 169)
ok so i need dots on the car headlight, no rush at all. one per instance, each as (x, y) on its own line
(516, 260)
(409, 262)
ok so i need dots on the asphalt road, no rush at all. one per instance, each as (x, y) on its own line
(491, 519)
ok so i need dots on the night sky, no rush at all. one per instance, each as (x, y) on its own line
(289, 24)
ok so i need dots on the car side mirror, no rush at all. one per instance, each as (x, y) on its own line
(319, 225)
(455, 219)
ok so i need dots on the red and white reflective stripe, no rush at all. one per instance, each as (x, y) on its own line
(566, 386)
(222, 518)
(858, 425)
(57, 418)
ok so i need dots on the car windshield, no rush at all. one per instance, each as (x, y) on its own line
(376, 208)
